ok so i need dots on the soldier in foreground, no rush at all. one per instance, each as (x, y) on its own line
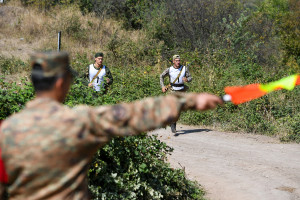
(47, 146)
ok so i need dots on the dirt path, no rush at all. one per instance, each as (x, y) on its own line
(236, 166)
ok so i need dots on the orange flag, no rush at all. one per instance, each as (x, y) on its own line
(241, 94)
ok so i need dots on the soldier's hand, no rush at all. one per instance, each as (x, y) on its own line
(164, 89)
(90, 85)
(205, 101)
(107, 80)
(184, 79)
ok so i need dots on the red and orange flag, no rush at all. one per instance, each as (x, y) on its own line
(242, 94)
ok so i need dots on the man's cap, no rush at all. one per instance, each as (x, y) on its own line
(99, 54)
(52, 63)
(176, 57)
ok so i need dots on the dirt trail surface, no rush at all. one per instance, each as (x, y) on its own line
(234, 166)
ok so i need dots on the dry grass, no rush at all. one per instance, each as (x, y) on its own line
(35, 30)
(25, 30)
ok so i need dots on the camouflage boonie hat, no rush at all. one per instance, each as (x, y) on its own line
(176, 57)
(52, 63)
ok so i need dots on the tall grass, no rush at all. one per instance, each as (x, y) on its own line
(81, 34)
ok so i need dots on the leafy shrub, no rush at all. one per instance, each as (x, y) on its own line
(294, 135)
(195, 22)
(283, 17)
(134, 168)
(13, 97)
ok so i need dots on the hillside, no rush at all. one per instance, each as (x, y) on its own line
(236, 44)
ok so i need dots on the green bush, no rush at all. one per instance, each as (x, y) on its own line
(294, 134)
(135, 168)
(13, 97)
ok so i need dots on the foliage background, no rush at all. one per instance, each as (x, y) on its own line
(229, 42)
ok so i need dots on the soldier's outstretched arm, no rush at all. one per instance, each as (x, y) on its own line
(148, 114)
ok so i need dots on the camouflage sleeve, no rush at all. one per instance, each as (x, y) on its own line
(139, 116)
(188, 75)
(109, 75)
(162, 76)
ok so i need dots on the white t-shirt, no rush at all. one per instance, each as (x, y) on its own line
(98, 83)
(173, 73)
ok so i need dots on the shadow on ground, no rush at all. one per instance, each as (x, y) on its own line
(183, 132)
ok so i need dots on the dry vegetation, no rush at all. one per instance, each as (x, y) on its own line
(26, 30)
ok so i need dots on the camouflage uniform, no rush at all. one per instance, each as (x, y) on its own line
(47, 146)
